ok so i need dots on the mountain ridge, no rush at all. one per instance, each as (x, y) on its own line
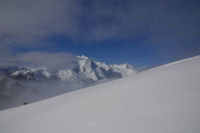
(86, 69)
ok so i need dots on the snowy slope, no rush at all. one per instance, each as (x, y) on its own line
(161, 100)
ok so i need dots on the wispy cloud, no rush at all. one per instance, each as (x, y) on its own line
(51, 61)
(28, 23)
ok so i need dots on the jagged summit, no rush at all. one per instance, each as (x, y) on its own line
(98, 70)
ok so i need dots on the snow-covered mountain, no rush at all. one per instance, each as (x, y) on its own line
(22, 84)
(161, 100)
(86, 69)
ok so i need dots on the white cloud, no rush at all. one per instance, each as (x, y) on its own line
(52, 61)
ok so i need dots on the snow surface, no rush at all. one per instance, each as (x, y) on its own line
(161, 100)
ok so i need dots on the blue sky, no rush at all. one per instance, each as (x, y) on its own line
(110, 51)
(139, 32)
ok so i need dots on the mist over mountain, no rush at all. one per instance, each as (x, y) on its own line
(39, 79)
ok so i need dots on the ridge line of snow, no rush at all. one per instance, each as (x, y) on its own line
(171, 63)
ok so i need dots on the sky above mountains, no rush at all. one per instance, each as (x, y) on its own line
(139, 32)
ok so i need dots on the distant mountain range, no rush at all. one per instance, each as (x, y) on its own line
(86, 69)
